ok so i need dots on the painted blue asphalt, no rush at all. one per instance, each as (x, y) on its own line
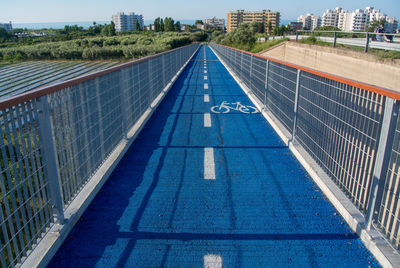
(262, 209)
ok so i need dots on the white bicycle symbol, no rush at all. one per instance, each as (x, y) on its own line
(226, 107)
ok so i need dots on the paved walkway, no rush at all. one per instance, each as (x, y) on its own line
(199, 188)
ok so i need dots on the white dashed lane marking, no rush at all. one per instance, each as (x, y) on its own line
(205, 86)
(207, 120)
(206, 98)
(209, 164)
(212, 261)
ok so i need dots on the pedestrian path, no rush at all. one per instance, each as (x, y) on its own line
(208, 183)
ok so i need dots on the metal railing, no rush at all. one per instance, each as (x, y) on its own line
(366, 40)
(350, 129)
(54, 139)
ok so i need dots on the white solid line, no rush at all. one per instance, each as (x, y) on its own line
(212, 261)
(206, 98)
(205, 86)
(205, 77)
(207, 120)
(209, 165)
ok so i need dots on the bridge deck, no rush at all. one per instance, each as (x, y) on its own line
(198, 192)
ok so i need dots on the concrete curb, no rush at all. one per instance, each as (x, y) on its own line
(53, 239)
(374, 241)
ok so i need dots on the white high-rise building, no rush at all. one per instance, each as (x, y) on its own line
(331, 17)
(126, 22)
(374, 14)
(309, 21)
(216, 23)
(345, 21)
(359, 20)
(315, 22)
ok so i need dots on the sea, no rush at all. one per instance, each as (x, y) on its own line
(87, 24)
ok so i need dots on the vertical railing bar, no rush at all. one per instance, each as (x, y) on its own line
(70, 139)
(266, 84)
(49, 155)
(33, 162)
(67, 181)
(163, 70)
(71, 145)
(27, 225)
(27, 190)
(84, 133)
(59, 148)
(16, 211)
(39, 166)
(382, 156)
(100, 113)
(124, 96)
(296, 103)
(2, 256)
(8, 215)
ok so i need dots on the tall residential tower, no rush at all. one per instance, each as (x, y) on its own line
(127, 22)
(267, 17)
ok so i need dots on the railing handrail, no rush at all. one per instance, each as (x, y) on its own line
(311, 31)
(380, 90)
(36, 93)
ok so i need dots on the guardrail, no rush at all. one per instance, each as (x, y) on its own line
(366, 40)
(54, 139)
(350, 129)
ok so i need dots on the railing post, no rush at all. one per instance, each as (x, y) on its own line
(266, 84)
(385, 144)
(297, 35)
(296, 104)
(251, 73)
(49, 156)
(366, 43)
(334, 39)
(124, 86)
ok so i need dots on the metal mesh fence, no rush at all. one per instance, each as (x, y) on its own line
(24, 198)
(389, 210)
(53, 144)
(339, 125)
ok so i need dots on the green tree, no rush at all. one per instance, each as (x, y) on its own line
(108, 30)
(157, 24)
(162, 27)
(169, 24)
(137, 26)
(327, 28)
(198, 21)
(269, 27)
(177, 26)
(373, 26)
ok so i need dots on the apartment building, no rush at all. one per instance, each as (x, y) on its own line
(126, 22)
(331, 17)
(267, 17)
(6, 26)
(359, 19)
(309, 21)
(215, 23)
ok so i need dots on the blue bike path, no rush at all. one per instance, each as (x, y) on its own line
(210, 188)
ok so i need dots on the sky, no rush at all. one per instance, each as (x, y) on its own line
(29, 11)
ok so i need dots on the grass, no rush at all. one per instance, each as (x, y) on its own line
(258, 46)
